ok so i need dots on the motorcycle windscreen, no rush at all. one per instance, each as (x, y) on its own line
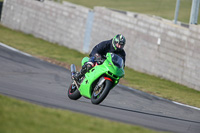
(117, 60)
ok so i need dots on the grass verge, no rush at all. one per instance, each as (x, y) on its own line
(22, 117)
(162, 8)
(63, 56)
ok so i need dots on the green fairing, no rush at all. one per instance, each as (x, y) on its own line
(108, 69)
(84, 60)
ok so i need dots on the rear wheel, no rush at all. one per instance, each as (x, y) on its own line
(73, 92)
(100, 93)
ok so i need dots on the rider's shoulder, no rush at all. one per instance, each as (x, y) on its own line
(105, 44)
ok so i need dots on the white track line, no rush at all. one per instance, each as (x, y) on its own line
(186, 105)
(13, 49)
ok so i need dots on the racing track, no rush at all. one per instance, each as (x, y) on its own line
(37, 81)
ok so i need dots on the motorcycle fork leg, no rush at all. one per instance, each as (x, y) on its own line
(101, 81)
(75, 84)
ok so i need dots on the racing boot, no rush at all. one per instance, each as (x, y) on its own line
(85, 68)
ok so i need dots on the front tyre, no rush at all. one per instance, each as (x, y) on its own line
(100, 93)
(73, 92)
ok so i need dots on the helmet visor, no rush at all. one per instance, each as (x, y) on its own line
(119, 46)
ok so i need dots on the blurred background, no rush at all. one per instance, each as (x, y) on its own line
(162, 8)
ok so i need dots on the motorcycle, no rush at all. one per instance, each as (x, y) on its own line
(98, 81)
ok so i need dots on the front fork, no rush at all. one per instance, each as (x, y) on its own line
(73, 71)
(75, 83)
(101, 81)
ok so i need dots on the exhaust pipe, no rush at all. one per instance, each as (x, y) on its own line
(73, 69)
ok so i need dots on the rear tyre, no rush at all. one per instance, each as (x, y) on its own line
(73, 92)
(100, 93)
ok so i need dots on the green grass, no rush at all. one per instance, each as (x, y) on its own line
(39, 47)
(162, 8)
(162, 87)
(22, 117)
(134, 79)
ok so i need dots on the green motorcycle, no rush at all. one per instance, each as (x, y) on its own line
(99, 80)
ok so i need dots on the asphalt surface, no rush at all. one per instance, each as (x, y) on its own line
(40, 82)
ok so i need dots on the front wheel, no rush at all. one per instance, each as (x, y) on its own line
(73, 92)
(100, 93)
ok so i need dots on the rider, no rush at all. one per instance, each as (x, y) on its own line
(114, 45)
